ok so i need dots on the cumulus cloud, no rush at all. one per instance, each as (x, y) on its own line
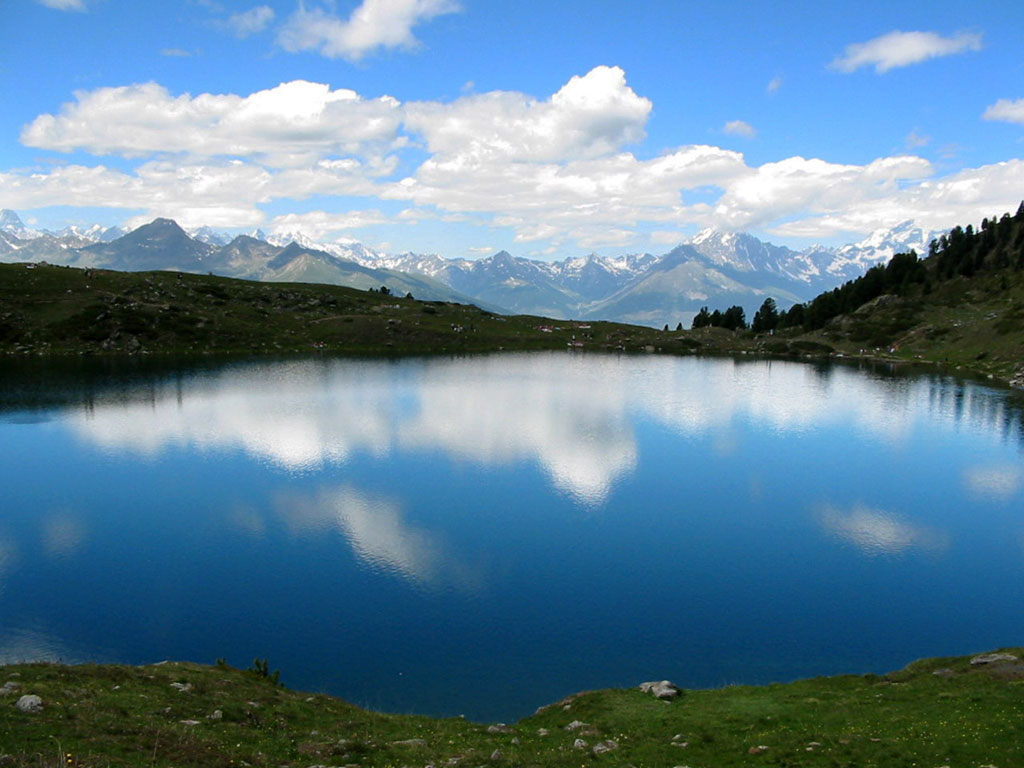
(778, 190)
(1007, 110)
(64, 5)
(901, 49)
(932, 203)
(557, 170)
(285, 125)
(740, 128)
(374, 24)
(590, 116)
(251, 22)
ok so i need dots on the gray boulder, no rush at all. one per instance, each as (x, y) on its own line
(660, 689)
(30, 703)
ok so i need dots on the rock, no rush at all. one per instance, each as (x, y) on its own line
(992, 658)
(543, 731)
(605, 746)
(30, 703)
(410, 743)
(217, 715)
(9, 687)
(575, 725)
(580, 744)
(760, 749)
(496, 755)
(500, 728)
(944, 672)
(661, 689)
(183, 687)
(189, 722)
(516, 740)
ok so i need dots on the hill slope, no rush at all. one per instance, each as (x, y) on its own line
(954, 711)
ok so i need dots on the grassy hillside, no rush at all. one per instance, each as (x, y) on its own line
(934, 713)
(63, 310)
(962, 306)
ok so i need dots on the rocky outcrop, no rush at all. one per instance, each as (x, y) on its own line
(660, 689)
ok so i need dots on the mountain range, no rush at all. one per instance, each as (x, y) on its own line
(714, 268)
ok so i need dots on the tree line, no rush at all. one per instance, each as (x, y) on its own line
(964, 252)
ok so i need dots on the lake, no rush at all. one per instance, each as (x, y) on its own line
(485, 535)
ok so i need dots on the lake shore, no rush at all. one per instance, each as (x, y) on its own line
(940, 711)
(62, 311)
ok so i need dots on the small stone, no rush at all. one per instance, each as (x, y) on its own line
(580, 744)
(605, 746)
(30, 704)
(500, 728)
(682, 744)
(760, 749)
(409, 743)
(183, 687)
(944, 672)
(661, 689)
(189, 722)
(992, 658)
(217, 715)
(496, 755)
(516, 740)
(814, 744)
(543, 731)
(9, 687)
(575, 725)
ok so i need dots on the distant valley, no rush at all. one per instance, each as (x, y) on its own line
(713, 268)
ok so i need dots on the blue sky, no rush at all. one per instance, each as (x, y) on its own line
(549, 129)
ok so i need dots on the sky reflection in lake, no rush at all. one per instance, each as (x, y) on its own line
(394, 532)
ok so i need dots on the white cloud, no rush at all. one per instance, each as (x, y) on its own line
(774, 84)
(589, 116)
(1007, 110)
(933, 204)
(251, 22)
(64, 5)
(374, 24)
(558, 171)
(321, 224)
(798, 185)
(901, 49)
(286, 125)
(740, 128)
(667, 237)
(175, 53)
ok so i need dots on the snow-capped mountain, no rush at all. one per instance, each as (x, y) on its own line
(713, 268)
(12, 225)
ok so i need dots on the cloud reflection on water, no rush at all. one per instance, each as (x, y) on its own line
(571, 415)
(999, 482)
(375, 528)
(878, 532)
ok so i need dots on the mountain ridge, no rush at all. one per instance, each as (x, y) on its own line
(712, 267)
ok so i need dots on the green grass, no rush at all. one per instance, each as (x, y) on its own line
(973, 326)
(61, 310)
(133, 716)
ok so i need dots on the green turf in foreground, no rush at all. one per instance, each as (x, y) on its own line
(936, 712)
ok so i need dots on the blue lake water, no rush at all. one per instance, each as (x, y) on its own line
(485, 535)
